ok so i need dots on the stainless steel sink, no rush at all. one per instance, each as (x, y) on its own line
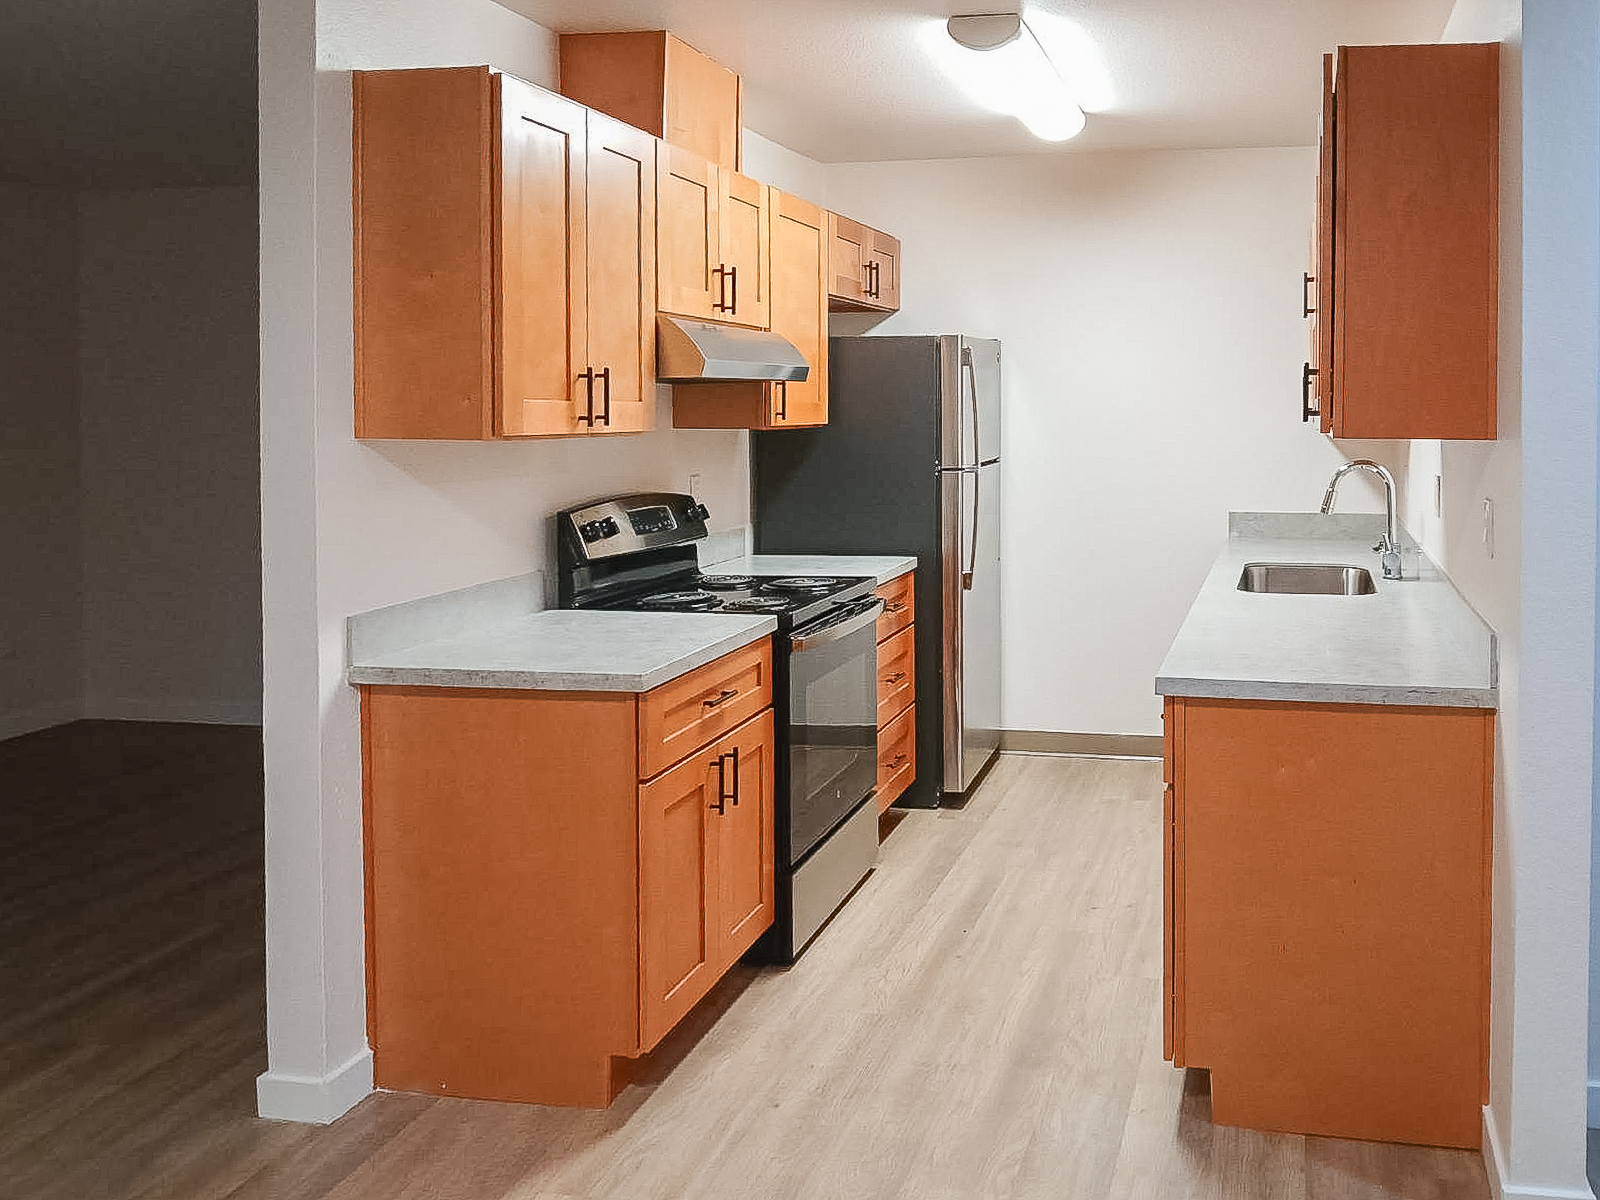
(1306, 579)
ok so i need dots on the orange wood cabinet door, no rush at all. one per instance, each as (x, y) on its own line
(744, 224)
(897, 689)
(705, 871)
(1411, 295)
(745, 875)
(678, 843)
(897, 674)
(799, 312)
(864, 267)
(543, 276)
(621, 277)
(899, 604)
(1328, 915)
(504, 261)
(688, 249)
(657, 83)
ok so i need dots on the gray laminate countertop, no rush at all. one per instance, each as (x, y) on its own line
(565, 650)
(1415, 641)
(882, 567)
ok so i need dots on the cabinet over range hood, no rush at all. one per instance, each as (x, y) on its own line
(703, 352)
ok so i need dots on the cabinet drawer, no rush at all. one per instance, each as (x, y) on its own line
(899, 604)
(897, 674)
(691, 710)
(897, 757)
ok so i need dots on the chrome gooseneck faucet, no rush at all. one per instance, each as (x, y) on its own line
(1389, 546)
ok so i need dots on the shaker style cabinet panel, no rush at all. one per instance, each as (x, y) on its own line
(543, 904)
(706, 875)
(712, 241)
(659, 84)
(1406, 260)
(897, 689)
(504, 261)
(1327, 910)
(864, 267)
(799, 308)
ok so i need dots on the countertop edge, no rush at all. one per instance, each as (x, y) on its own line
(1327, 693)
(401, 675)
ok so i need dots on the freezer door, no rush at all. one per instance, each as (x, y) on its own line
(970, 504)
(969, 414)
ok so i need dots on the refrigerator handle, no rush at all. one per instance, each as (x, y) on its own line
(972, 559)
(972, 384)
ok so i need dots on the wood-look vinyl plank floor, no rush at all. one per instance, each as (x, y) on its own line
(982, 1020)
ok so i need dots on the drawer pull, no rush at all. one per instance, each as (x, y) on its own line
(899, 761)
(726, 695)
(893, 608)
(896, 677)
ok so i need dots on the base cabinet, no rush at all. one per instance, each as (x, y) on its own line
(542, 907)
(1327, 915)
(897, 690)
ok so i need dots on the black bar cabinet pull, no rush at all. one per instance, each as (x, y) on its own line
(733, 278)
(1305, 295)
(783, 399)
(734, 754)
(605, 396)
(1307, 412)
(722, 698)
(720, 304)
(720, 803)
(588, 379)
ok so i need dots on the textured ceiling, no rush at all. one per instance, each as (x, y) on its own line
(846, 80)
(136, 93)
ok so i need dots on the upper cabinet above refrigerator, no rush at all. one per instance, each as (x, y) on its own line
(863, 267)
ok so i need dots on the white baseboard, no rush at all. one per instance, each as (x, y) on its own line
(161, 708)
(313, 1100)
(1501, 1188)
(40, 716)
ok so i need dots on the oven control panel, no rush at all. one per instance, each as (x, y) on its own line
(627, 524)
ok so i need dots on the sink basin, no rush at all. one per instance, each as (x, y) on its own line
(1306, 579)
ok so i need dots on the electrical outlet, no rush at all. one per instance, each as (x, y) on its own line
(694, 485)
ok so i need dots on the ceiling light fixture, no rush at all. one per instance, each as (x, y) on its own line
(1003, 66)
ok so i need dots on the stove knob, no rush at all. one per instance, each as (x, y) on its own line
(699, 512)
(608, 527)
(590, 531)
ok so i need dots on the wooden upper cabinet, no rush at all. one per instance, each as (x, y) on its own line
(799, 306)
(864, 267)
(713, 227)
(1407, 251)
(660, 84)
(504, 261)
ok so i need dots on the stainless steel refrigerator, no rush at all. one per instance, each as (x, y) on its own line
(909, 463)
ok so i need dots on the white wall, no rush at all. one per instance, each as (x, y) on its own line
(168, 330)
(41, 599)
(1149, 305)
(348, 526)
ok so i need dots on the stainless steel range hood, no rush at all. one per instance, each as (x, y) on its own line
(703, 352)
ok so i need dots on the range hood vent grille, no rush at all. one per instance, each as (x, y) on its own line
(702, 352)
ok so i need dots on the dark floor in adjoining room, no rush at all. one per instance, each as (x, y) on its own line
(981, 1020)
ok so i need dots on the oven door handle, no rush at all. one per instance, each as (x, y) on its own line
(855, 617)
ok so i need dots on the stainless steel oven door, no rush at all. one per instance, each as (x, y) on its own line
(833, 720)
